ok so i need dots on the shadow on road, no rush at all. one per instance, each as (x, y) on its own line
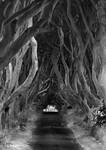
(51, 133)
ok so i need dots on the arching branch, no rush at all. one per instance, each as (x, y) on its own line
(85, 22)
(18, 43)
(20, 12)
(31, 13)
(22, 88)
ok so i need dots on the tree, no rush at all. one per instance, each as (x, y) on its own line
(51, 45)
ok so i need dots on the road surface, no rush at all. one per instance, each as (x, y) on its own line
(51, 133)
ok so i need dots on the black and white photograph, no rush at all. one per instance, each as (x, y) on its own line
(52, 75)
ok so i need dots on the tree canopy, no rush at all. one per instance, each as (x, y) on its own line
(52, 49)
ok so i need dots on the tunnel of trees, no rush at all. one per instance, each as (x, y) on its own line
(51, 52)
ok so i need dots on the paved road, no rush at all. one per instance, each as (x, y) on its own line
(51, 133)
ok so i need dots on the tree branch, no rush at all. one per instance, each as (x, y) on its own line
(52, 10)
(18, 43)
(22, 88)
(84, 20)
(31, 13)
(61, 36)
(74, 27)
(20, 12)
(54, 58)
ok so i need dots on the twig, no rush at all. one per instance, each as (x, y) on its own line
(44, 90)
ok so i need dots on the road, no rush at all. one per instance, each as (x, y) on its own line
(51, 133)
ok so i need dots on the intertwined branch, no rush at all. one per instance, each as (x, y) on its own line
(62, 48)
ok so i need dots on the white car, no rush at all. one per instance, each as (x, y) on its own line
(50, 108)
